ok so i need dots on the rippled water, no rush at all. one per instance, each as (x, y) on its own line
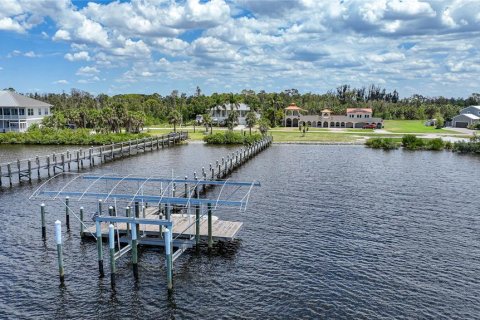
(334, 232)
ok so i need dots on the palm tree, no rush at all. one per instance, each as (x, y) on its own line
(251, 120)
(175, 118)
(207, 120)
(263, 126)
(232, 119)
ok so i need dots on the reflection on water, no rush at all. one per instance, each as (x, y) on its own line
(334, 231)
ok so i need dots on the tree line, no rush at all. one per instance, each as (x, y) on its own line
(132, 111)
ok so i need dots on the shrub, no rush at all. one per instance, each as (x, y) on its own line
(231, 137)
(66, 136)
(434, 144)
(382, 143)
(411, 142)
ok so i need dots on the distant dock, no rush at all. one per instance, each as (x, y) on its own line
(46, 166)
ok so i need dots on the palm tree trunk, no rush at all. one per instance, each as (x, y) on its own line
(250, 130)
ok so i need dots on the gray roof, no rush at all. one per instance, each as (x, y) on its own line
(476, 107)
(12, 99)
(241, 106)
(468, 115)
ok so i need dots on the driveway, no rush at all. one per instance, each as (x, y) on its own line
(462, 130)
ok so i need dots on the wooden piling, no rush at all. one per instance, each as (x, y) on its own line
(67, 212)
(210, 238)
(78, 160)
(99, 207)
(127, 214)
(69, 158)
(99, 248)
(111, 243)
(134, 251)
(137, 215)
(29, 164)
(19, 171)
(186, 187)
(197, 228)
(58, 240)
(42, 217)
(168, 258)
(81, 223)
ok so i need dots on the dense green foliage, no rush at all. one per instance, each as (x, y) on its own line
(232, 137)
(382, 143)
(472, 146)
(65, 136)
(84, 109)
(105, 120)
(411, 142)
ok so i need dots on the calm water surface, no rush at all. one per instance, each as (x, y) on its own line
(334, 232)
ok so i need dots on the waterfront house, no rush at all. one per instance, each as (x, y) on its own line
(468, 116)
(18, 112)
(220, 113)
(295, 116)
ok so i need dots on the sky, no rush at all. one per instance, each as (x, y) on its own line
(139, 46)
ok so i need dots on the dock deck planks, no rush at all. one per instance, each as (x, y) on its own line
(221, 229)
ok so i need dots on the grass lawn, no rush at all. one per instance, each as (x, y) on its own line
(411, 126)
(311, 136)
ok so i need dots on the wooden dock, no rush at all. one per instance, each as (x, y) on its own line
(81, 159)
(183, 227)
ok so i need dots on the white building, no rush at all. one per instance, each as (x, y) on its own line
(220, 113)
(295, 116)
(468, 116)
(18, 112)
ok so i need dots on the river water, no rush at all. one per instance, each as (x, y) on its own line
(334, 232)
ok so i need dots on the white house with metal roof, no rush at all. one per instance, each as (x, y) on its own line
(220, 113)
(18, 112)
(468, 116)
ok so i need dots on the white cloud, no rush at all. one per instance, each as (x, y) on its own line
(387, 57)
(62, 35)
(78, 56)
(87, 71)
(9, 24)
(61, 82)
(304, 43)
(31, 54)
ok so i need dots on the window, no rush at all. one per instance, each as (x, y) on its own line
(6, 111)
(21, 112)
(30, 112)
(46, 112)
(1, 111)
(14, 112)
(359, 115)
(39, 111)
(367, 116)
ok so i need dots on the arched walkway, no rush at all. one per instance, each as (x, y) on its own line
(349, 125)
(288, 122)
(319, 124)
(295, 122)
(342, 124)
(332, 124)
(325, 124)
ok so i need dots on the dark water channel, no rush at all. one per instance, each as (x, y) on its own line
(334, 232)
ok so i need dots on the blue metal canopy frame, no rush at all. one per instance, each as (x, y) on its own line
(145, 198)
(198, 182)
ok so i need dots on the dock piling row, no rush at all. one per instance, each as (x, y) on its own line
(23, 169)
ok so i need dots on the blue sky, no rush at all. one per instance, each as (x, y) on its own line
(425, 47)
